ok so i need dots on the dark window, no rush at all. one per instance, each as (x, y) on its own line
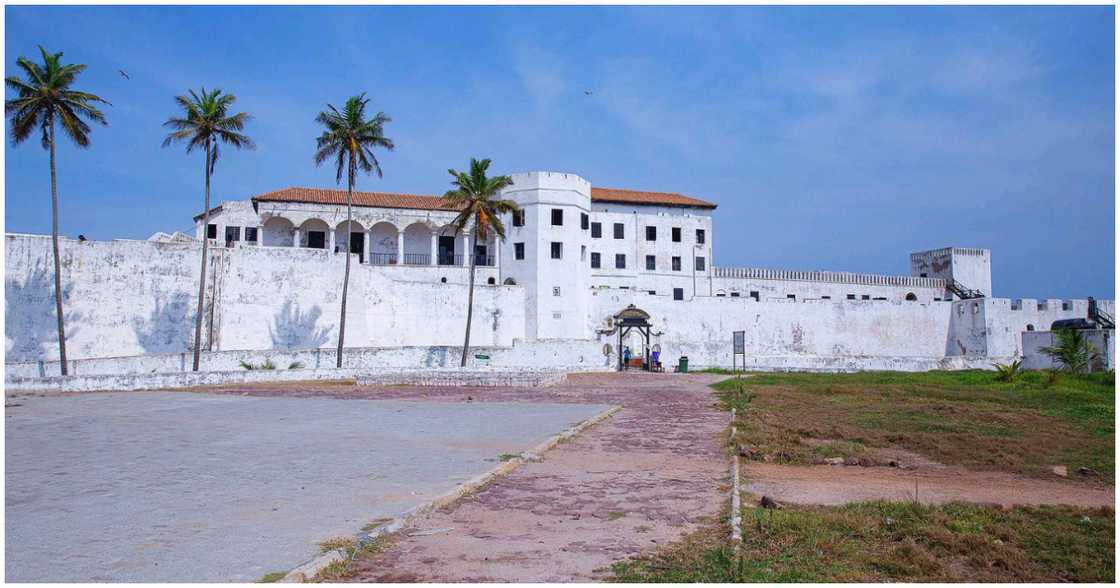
(620, 260)
(233, 234)
(557, 216)
(595, 264)
(676, 234)
(490, 281)
(699, 264)
(557, 250)
(519, 251)
(211, 231)
(826, 298)
(519, 218)
(316, 239)
(734, 294)
(619, 231)
(851, 296)
(652, 292)
(700, 236)
(678, 293)
(1030, 327)
(251, 234)
(651, 233)
(676, 263)
(596, 230)
(923, 275)
(865, 297)
(651, 262)
(911, 296)
(584, 220)
(754, 295)
(791, 296)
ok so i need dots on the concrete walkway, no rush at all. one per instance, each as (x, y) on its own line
(174, 486)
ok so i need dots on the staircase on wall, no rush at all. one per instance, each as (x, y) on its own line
(1102, 318)
(961, 291)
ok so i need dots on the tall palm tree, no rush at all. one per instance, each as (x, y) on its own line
(43, 97)
(475, 196)
(349, 138)
(206, 123)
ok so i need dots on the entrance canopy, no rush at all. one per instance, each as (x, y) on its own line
(628, 319)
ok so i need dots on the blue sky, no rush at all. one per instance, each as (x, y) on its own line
(831, 137)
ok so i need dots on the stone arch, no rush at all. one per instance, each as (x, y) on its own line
(509, 282)
(1030, 327)
(911, 296)
(314, 233)
(357, 236)
(277, 231)
(383, 243)
(418, 244)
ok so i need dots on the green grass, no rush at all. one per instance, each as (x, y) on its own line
(964, 418)
(884, 541)
(272, 577)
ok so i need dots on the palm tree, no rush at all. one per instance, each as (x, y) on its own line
(475, 196)
(350, 139)
(43, 97)
(205, 123)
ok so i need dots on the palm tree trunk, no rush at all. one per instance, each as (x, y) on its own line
(57, 264)
(346, 274)
(470, 298)
(205, 253)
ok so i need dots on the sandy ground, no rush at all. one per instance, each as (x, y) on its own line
(643, 478)
(931, 484)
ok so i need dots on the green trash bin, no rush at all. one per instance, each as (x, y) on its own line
(684, 364)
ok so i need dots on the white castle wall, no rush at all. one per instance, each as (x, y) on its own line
(702, 328)
(802, 285)
(136, 297)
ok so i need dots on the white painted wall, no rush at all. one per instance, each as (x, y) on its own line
(134, 297)
(1104, 341)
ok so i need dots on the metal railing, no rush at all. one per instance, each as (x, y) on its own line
(417, 259)
(484, 260)
(450, 259)
(383, 258)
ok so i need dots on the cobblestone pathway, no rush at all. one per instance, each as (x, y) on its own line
(643, 478)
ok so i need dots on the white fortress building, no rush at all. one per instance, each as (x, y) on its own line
(548, 295)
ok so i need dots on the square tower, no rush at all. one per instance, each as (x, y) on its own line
(970, 267)
(546, 252)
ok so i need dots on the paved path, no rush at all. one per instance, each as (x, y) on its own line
(643, 478)
(164, 486)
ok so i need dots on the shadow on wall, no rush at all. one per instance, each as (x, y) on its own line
(169, 328)
(34, 325)
(293, 329)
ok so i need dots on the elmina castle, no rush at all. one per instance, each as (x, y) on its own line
(579, 264)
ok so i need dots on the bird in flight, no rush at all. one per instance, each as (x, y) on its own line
(587, 92)
(124, 75)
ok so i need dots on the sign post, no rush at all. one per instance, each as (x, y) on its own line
(739, 347)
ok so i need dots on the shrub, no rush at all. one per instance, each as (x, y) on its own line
(296, 365)
(1007, 372)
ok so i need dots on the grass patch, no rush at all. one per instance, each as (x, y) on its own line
(614, 515)
(272, 577)
(375, 523)
(885, 541)
(965, 418)
(508, 456)
(355, 552)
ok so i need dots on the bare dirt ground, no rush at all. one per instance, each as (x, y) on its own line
(930, 483)
(651, 473)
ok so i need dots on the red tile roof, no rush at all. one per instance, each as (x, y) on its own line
(375, 199)
(641, 197)
(418, 202)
